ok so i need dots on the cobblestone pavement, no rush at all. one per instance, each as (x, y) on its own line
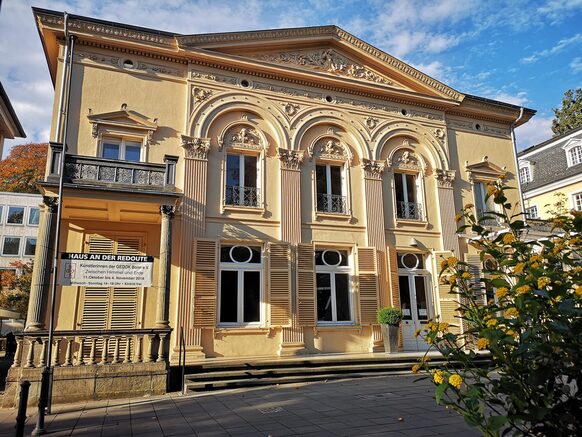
(374, 406)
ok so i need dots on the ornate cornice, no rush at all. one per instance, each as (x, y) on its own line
(444, 178)
(290, 159)
(51, 203)
(373, 169)
(195, 148)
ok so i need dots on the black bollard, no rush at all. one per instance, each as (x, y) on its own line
(21, 416)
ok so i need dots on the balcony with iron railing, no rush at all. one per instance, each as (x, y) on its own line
(409, 211)
(91, 171)
(332, 203)
(236, 195)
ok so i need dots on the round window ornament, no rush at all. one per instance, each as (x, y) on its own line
(410, 260)
(128, 64)
(331, 257)
(245, 83)
(241, 254)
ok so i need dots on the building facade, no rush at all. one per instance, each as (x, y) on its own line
(10, 126)
(288, 183)
(551, 167)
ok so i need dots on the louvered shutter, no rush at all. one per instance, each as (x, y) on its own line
(306, 284)
(280, 284)
(368, 284)
(205, 284)
(474, 262)
(448, 302)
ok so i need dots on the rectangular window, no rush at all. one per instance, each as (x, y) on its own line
(242, 180)
(240, 285)
(575, 155)
(483, 204)
(578, 201)
(329, 183)
(11, 246)
(15, 215)
(407, 205)
(121, 149)
(30, 246)
(531, 212)
(334, 301)
(524, 175)
(33, 216)
(1, 213)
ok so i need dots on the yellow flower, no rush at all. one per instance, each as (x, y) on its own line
(466, 275)
(438, 377)
(511, 312)
(428, 340)
(518, 268)
(491, 189)
(508, 238)
(482, 343)
(443, 326)
(491, 322)
(415, 368)
(452, 261)
(456, 381)
(543, 281)
(444, 264)
(433, 326)
(524, 289)
(511, 332)
(468, 206)
(536, 258)
(501, 292)
(535, 265)
(458, 218)
(578, 291)
(417, 332)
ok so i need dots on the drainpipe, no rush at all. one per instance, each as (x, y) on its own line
(515, 158)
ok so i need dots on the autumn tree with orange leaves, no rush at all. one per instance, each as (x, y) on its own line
(24, 166)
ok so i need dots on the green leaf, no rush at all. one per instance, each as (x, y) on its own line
(496, 422)
(440, 391)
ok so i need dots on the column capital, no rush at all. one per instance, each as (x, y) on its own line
(51, 203)
(167, 210)
(195, 148)
(290, 159)
(373, 169)
(444, 178)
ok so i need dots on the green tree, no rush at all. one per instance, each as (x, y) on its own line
(15, 287)
(24, 166)
(532, 329)
(569, 116)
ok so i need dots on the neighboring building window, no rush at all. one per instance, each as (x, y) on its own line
(532, 212)
(33, 216)
(407, 204)
(330, 188)
(574, 156)
(30, 246)
(240, 285)
(578, 201)
(1, 213)
(15, 215)
(525, 175)
(11, 246)
(121, 149)
(242, 180)
(334, 302)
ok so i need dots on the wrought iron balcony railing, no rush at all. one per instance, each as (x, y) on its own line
(409, 210)
(487, 218)
(242, 196)
(332, 203)
(92, 170)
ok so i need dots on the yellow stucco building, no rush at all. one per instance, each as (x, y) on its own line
(287, 182)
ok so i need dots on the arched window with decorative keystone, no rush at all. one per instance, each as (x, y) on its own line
(408, 169)
(243, 167)
(331, 181)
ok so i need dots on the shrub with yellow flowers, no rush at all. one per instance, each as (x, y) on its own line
(513, 363)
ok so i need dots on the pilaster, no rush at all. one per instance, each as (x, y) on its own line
(445, 180)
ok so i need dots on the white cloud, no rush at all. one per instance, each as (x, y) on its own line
(435, 69)
(559, 47)
(557, 10)
(535, 131)
(520, 99)
(576, 65)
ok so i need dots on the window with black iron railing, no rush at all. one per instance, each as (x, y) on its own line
(409, 210)
(236, 195)
(332, 203)
(487, 218)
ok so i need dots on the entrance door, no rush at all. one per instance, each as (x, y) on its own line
(415, 309)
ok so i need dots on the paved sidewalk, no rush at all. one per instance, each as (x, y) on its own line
(375, 406)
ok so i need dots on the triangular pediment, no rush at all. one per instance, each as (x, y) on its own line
(323, 50)
(485, 170)
(124, 118)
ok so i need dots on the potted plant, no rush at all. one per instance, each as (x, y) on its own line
(389, 319)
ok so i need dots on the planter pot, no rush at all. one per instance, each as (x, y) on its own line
(390, 336)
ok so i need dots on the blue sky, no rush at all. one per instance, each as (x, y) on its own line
(524, 52)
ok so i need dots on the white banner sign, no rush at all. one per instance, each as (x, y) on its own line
(101, 270)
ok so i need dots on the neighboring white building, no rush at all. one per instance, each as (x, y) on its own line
(19, 217)
(10, 127)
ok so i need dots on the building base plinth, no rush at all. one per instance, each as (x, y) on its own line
(292, 349)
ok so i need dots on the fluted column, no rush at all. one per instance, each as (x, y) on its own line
(41, 271)
(165, 263)
(445, 179)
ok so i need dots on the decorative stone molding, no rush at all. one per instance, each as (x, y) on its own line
(484, 171)
(373, 169)
(121, 121)
(200, 94)
(167, 210)
(290, 108)
(196, 148)
(405, 159)
(241, 136)
(119, 62)
(51, 203)
(440, 135)
(371, 122)
(328, 148)
(290, 159)
(445, 178)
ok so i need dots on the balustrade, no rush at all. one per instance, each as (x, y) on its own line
(332, 203)
(242, 196)
(409, 210)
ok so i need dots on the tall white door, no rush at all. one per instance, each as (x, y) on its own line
(415, 308)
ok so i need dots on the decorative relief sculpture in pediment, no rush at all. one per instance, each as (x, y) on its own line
(329, 61)
(406, 159)
(200, 94)
(328, 148)
(242, 137)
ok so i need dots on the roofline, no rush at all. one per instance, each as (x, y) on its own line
(551, 140)
(499, 103)
(15, 121)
